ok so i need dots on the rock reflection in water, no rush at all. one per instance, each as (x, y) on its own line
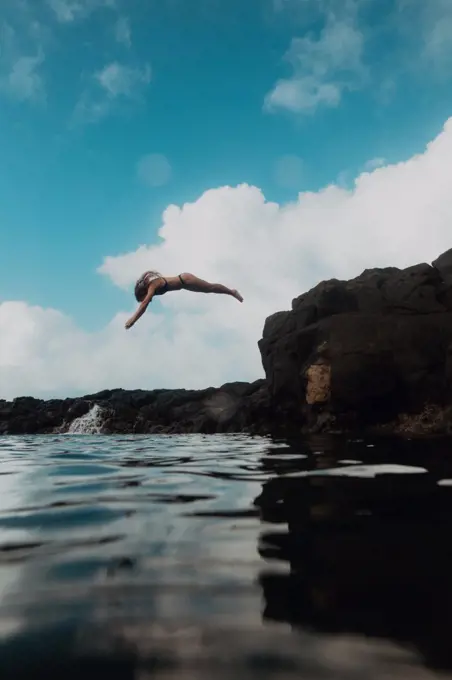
(369, 556)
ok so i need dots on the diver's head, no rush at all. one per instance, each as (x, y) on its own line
(141, 288)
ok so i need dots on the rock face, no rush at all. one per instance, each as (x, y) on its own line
(372, 351)
(362, 352)
(234, 407)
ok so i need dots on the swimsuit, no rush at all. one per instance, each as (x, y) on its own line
(149, 276)
(162, 289)
(152, 276)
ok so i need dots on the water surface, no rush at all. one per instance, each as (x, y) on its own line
(188, 556)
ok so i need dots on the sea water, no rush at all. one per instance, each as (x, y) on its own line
(224, 556)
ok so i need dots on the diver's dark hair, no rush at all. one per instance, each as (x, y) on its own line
(141, 288)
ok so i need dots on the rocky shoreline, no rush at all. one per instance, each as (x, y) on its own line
(234, 407)
(371, 353)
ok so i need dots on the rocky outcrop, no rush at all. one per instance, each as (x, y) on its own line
(234, 407)
(372, 351)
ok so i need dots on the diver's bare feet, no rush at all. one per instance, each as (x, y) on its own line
(237, 295)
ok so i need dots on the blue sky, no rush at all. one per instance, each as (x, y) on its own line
(223, 90)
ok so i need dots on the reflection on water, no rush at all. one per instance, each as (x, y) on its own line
(188, 556)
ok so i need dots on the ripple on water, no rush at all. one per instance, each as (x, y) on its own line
(62, 518)
(91, 469)
(153, 531)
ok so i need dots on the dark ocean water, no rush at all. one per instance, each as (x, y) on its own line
(225, 556)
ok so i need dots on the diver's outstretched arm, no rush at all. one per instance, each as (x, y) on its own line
(144, 305)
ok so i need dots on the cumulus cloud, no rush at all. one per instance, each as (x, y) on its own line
(394, 215)
(323, 67)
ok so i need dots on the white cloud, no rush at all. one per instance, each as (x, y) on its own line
(323, 68)
(67, 11)
(119, 80)
(21, 56)
(123, 32)
(326, 66)
(23, 80)
(395, 215)
(113, 83)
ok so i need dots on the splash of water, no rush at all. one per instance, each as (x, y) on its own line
(90, 423)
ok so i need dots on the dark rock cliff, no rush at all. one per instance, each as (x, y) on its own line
(365, 352)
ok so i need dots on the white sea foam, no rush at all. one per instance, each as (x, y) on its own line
(90, 423)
